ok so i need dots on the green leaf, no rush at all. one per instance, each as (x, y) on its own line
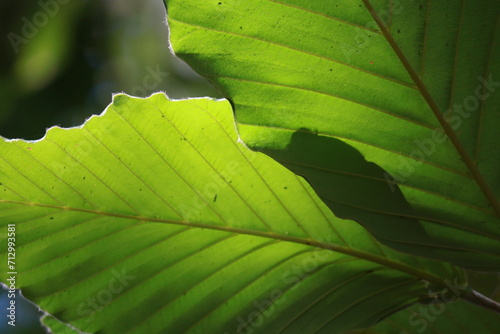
(438, 318)
(156, 218)
(57, 326)
(388, 108)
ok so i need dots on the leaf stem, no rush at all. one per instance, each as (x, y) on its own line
(476, 298)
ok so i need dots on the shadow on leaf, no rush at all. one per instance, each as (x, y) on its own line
(352, 187)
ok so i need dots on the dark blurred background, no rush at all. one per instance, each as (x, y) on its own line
(61, 60)
(60, 63)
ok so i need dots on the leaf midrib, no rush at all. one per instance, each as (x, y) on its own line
(309, 242)
(481, 182)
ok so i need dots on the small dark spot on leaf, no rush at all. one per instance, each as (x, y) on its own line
(220, 3)
(215, 197)
(331, 70)
(399, 31)
(241, 28)
(84, 177)
(51, 218)
(285, 188)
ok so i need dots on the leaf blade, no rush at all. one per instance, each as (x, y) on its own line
(139, 180)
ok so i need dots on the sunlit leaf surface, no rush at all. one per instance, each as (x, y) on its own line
(155, 218)
(388, 108)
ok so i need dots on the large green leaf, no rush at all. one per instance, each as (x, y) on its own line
(155, 218)
(330, 87)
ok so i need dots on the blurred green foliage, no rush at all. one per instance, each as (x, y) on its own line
(62, 60)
